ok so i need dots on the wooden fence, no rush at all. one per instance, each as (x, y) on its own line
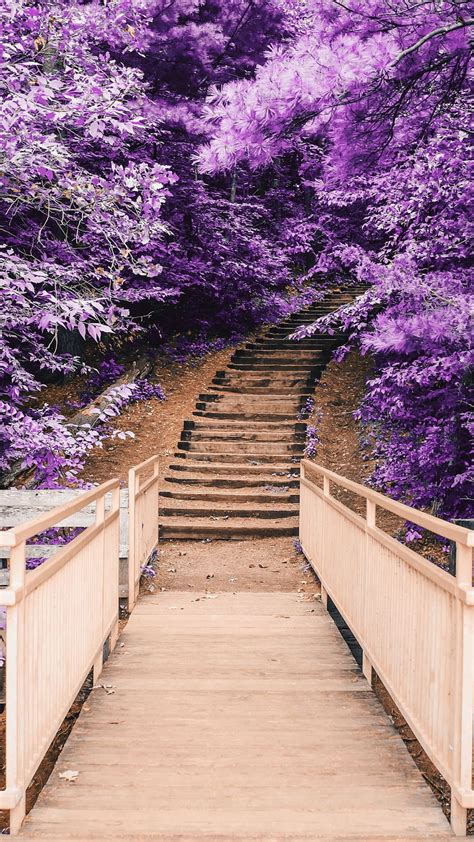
(413, 621)
(59, 617)
(143, 489)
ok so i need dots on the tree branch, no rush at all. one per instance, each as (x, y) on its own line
(442, 30)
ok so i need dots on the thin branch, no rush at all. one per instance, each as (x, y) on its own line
(442, 30)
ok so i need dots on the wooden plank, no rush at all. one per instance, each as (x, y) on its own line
(217, 731)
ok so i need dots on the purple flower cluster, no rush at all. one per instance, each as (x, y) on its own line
(312, 441)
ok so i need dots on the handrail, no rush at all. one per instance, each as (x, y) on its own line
(71, 601)
(451, 531)
(11, 537)
(413, 621)
(143, 498)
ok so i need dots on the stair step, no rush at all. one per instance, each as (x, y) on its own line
(220, 398)
(229, 447)
(239, 530)
(285, 353)
(321, 343)
(258, 377)
(258, 405)
(237, 435)
(274, 366)
(276, 359)
(249, 458)
(245, 511)
(282, 470)
(244, 416)
(233, 496)
(233, 482)
(216, 425)
(260, 390)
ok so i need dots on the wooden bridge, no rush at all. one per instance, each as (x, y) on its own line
(223, 716)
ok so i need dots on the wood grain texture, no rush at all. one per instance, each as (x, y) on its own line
(237, 717)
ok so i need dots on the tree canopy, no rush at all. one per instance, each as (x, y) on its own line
(176, 165)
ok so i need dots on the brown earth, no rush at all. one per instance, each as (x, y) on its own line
(156, 424)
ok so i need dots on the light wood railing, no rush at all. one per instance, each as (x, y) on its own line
(143, 489)
(59, 617)
(413, 621)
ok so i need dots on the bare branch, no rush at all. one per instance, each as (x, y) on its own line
(442, 30)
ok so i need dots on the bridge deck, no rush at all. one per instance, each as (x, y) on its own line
(234, 717)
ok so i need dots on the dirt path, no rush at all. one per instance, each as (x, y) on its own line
(156, 424)
(266, 564)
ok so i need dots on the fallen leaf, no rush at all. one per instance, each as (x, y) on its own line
(69, 775)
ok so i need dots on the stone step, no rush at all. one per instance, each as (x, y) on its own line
(262, 406)
(233, 496)
(244, 415)
(245, 511)
(241, 446)
(265, 426)
(236, 435)
(277, 355)
(275, 366)
(281, 470)
(283, 332)
(274, 391)
(238, 530)
(236, 379)
(248, 458)
(320, 343)
(286, 349)
(233, 483)
(218, 397)
(258, 378)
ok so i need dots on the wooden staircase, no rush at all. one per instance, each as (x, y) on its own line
(235, 473)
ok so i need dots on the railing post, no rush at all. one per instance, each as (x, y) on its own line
(115, 508)
(462, 725)
(371, 513)
(99, 519)
(133, 482)
(15, 696)
(371, 521)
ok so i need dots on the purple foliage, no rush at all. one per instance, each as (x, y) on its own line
(196, 168)
(312, 441)
(306, 409)
(372, 99)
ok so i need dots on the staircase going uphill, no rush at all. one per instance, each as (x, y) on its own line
(235, 474)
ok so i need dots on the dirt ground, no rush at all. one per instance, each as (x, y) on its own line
(267, 564)
(156, 424)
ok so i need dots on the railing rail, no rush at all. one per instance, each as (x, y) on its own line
(414, 621)
(143, 486)
(58, 618)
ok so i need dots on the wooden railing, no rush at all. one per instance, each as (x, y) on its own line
(143, 489)
(59, 617)
(413, 621)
